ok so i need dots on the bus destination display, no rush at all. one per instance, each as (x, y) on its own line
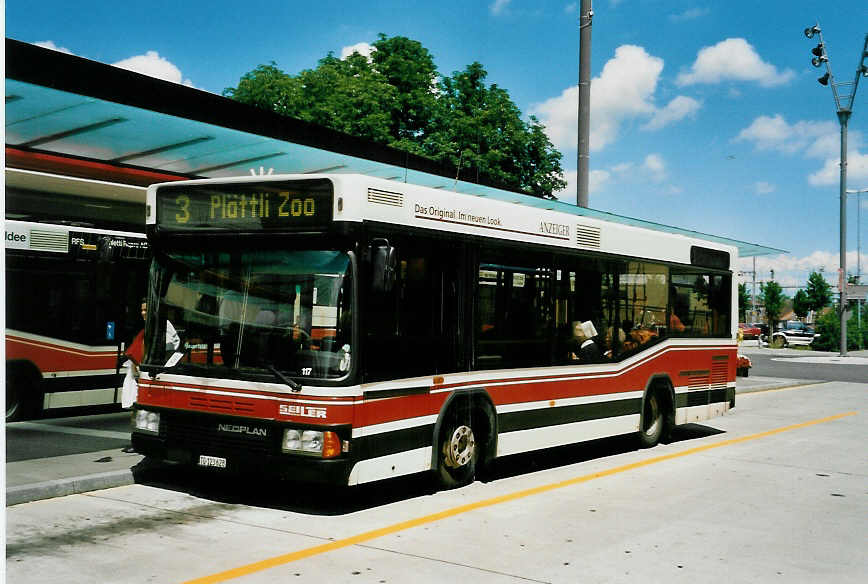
(268, 205)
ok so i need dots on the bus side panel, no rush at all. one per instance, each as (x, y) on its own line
(565, 405)
(60, 374)
(55, 357)
(393, 423)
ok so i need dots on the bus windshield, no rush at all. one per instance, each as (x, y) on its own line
(241, 313)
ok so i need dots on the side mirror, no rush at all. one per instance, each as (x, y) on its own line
(384, 262)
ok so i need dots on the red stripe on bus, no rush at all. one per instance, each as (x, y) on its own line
(49, 357)
(361, 413)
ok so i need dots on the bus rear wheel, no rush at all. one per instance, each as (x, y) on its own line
(22, 390)
(459, 450)
(13, 403)
(653, 420)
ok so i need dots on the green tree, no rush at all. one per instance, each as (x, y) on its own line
(408, 67)
(744, 303)
(801, 304)
(266, 87)
(478, 127)
(829, 329)
(343, 94)
(773, 299)
(395, 98)
(818, 291)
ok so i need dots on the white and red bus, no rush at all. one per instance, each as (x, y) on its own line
(73, 297)
(348, 329)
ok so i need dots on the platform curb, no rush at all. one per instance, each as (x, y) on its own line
(67, 486)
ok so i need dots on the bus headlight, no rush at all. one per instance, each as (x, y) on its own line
(148, 421)
(311, 442)
(291, 440)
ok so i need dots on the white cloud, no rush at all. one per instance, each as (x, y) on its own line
(623, 90)
(819, 140)
(689, 14)
(814, 139)
(733, 60)
(794, 271)
(679, 108)
(560, 117)
(652, 169)
(363, 49)
(153, 65)
(623, 168)
(830, 174)
(53, 47)
(596, 180)
(763, 187)
(655, 167)
(498, 6)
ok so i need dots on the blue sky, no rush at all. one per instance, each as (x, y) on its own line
(704, 114)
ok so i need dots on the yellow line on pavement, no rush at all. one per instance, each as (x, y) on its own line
(404, 525)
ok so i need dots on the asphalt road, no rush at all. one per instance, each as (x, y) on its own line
(773, 492)
(62, 436)
(805, 364)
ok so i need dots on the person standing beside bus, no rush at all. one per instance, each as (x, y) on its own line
(135, 354)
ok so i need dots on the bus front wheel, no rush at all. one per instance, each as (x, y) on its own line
(459, 449)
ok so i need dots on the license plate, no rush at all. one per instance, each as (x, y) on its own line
(212, 461)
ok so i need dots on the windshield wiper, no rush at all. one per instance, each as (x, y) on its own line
(293, 385)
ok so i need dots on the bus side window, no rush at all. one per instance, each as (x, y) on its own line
(515, 312)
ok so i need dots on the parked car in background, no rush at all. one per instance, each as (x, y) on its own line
(763, 327)
(749, 331)
(793, 332)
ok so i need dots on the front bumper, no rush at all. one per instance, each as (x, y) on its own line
(791, 340)
(185, 436)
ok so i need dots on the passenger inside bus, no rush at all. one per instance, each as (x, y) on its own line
(612, 346)
(676, 325)
(582, 346)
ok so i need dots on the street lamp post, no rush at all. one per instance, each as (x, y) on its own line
(858, 193)
(584, 139)
(844, 108)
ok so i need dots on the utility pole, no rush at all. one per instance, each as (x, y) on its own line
(844, 108)
(753, 293)
(858, 193)
(583, 159)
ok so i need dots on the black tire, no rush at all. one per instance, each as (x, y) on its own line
(653, 420)
(459, 448)
(22, 390)
(14, 406)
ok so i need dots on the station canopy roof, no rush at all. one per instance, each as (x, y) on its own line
(64, 105)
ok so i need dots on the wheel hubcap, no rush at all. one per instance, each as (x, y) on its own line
(459, 449)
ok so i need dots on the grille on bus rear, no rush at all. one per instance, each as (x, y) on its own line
(216, 434)
(49, 240)
(719, 371)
